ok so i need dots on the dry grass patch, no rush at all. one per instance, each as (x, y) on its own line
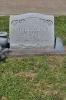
(4, 98)
(56, 58)
(65, 48)
(29, 73)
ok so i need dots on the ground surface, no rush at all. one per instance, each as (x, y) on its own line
(33, 78)
(56, 7)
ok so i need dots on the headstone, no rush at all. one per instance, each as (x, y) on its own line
(32, 30)
(33, 33)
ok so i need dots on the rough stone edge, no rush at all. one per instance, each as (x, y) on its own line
(18, 53)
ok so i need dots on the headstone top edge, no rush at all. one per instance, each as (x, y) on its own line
(41, 15)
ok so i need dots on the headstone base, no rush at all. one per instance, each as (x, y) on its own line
(59, 49)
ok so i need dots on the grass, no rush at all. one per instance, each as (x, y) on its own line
(60, 27)
(4, 23)
(34, 77)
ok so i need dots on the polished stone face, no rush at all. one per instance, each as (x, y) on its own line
(32, 30)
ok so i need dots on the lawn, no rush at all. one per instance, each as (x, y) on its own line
(60, 27)
(34, 77)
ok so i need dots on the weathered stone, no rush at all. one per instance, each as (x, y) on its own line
(32, 30)
(33, 33)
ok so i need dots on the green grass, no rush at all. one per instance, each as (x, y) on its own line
(60, 27)
(33, 78)
(4, 23)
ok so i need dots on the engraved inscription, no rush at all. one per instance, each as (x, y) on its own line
(31, 30)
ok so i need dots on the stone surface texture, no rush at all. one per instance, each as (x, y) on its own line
(32, 30)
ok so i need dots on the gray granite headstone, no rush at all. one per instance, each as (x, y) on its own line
(31, 30)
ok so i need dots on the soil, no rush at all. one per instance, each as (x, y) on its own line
(55, 7)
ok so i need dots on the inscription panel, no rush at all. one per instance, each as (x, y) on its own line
(31, 30)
